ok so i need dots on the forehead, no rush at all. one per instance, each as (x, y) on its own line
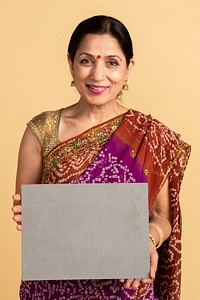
(104, 44)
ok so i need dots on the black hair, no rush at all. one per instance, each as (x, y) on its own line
(101, 25)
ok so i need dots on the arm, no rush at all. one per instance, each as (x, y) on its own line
(29, 169)
(159, 215)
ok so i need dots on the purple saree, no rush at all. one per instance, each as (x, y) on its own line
(129, 148)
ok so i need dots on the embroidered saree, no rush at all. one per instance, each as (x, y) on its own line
(132, 147)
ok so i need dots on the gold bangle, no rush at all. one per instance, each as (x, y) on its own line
(153, 240)
(160, 233)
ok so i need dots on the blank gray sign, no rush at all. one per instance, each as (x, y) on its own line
(85, 231)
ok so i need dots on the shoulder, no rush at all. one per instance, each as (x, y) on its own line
(165, 146)
(45, 127)
(46, 118)
(152, 126)
(162, 141)
(158, 138)
(165, 134)
(40, 120)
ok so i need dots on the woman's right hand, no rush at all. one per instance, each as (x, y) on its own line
(17, 211)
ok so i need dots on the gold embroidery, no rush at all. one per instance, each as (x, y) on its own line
(132, 154)
(45, 127)
(89, 142)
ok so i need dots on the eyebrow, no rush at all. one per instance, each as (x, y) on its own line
(108, 56)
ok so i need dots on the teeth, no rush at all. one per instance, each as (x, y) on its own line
(96, 88)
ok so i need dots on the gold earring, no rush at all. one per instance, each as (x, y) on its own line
(119, 96)
(72, 83)
(125, 86)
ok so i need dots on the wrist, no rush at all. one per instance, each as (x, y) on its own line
(160, 234)
(152, 240)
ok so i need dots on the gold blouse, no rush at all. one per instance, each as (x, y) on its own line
(45, 126)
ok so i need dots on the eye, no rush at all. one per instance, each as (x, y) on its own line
(86, 61)
(113, 63)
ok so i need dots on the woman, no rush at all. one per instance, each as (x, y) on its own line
(99, 140)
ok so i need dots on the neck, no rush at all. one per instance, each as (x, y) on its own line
(96, 114)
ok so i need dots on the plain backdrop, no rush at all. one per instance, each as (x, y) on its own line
(34, 77)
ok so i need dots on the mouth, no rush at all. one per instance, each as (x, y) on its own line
(96, 89)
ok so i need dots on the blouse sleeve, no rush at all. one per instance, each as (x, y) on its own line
(37, 125)
(45, 127)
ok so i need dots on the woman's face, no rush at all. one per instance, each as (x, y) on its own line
(99, 69)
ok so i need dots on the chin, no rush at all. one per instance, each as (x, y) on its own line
(98, 99)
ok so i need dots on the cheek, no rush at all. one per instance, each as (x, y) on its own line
(81, 73)
(118, 78)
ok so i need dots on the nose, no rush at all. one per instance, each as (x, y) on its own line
(98, 71)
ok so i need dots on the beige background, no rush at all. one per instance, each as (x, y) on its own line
(34, 77)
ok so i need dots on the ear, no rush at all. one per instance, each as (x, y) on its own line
(70, 65)
(130, 66)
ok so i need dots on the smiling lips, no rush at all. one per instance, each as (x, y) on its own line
(96, 89)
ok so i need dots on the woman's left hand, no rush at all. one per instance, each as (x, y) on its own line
(135, 282)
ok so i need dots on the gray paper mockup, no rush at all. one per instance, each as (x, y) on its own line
(85, 231)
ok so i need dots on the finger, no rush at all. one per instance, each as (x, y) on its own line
(147, 280)
(16, 200)
(135, 284)
(122, 280)
(16, 197)
(19, 227)
(17, 218)
(17, 209)
(128, 283)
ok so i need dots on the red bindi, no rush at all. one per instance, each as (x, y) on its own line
(98, 56)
